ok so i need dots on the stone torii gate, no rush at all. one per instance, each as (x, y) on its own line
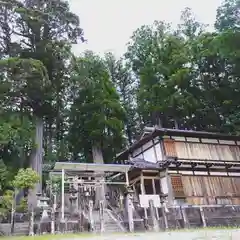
(89, 175)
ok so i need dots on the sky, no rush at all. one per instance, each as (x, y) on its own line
(109, 24)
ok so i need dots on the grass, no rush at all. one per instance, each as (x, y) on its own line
(87, 235)
(48, 236)
(60, 236)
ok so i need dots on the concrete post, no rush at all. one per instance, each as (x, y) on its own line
(101, 211)
(53, 214)
(130, 211)
(184, 216)
(164, 216)
(90, 215)
(153, 216)
(31, 223)
(202, 217)
(62, 195)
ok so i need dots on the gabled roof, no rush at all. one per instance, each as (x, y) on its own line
(152, 132)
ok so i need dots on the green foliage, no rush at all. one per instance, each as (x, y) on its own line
(22, 206)
(96, 116)
(6, 202)
(3, 175)
(228, 16)
(189, 78)
(54, 184)
(25, 178)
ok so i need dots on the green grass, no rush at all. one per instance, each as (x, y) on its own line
(87, 235)
(48, 236)
(60, 236)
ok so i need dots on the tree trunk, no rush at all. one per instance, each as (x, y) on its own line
(97, 154)
(100, 190)
(176, 124)
(36, 161)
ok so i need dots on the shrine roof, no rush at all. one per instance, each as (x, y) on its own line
(143, 164)
(91, 167)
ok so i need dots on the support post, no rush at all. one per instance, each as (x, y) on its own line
(91, 216)
(170, 189)
(153, 216)
(31, 223)
(184, 216)
(130, 212)
(165, 217)
(202, 217)
(127, 179)
(62, 192)
(52, 222)
(53, 214)
(13, 211)
(143, 192)
(101, 211)
(163, 207)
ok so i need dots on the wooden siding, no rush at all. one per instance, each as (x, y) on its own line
(177, 186)
(170, 149)
(186, 150)
(211, 189)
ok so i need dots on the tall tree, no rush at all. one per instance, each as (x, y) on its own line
(159, 58)
(43, 30)
(228, 16)
(125, 84)
(96, 115)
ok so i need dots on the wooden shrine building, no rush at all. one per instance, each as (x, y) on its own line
(189, 167)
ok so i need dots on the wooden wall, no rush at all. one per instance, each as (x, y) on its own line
(209, 189)
(204, 151)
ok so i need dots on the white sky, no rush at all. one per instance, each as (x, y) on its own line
(109, 24)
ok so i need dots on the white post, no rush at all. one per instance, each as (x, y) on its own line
(127, 179)
(90, 215)
(101, 216)
(143, 193)
(153, 215)
(202, 217)
(130, 213)
(63, 181)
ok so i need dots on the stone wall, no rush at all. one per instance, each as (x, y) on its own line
(200, 216)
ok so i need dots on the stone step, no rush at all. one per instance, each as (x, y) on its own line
(109, 228)
(19, 228)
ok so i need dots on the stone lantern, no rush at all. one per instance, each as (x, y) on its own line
(43, 203)
(73, 198)
(45, 220)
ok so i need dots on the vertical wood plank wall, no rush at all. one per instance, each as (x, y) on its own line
(211, 189)
(205, 151)
(170, 148)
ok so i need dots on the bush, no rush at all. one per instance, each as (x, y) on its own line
(25, 178)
